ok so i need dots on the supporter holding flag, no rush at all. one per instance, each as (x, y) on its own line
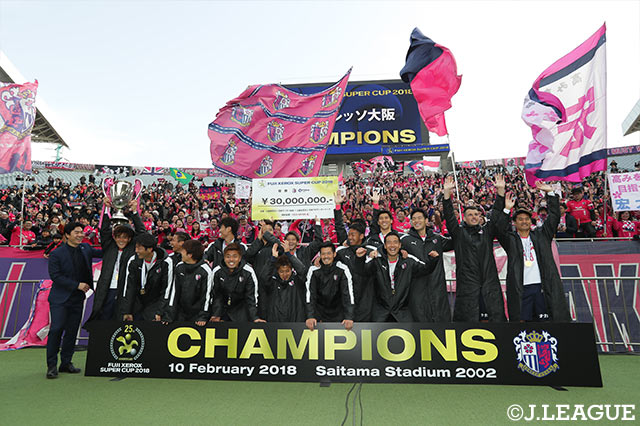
(534, 287)
(235, 289)
(22, 235)
(582, 211)
(478, 291)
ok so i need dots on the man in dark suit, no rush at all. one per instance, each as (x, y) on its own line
(72, 276)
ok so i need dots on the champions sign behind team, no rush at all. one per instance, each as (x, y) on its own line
(524, 354)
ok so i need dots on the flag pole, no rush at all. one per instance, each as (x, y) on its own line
(455, 177)
(605, 207)
(24, 182)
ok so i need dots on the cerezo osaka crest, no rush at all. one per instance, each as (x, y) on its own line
(266, 166)
(307, 165)
(537, 353)
(228, 157)
(241, 115)
(281, 101)
(319, 131)
(332, 97)
(275, 131)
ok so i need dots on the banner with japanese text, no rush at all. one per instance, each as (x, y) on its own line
(293, 198)
(625, 191)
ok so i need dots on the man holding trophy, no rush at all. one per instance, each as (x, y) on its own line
(121, 199)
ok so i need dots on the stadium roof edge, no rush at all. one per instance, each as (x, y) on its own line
(43, 130)
(632, 122)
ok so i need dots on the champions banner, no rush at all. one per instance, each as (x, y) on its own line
(510, 353)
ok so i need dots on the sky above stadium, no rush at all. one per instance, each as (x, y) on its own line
(137, 82)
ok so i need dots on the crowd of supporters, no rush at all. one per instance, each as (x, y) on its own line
(166, 208)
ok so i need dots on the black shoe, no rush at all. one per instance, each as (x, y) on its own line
(52, 372)
(69, 368)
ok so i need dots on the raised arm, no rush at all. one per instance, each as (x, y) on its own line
(449, 216)
(337, 217)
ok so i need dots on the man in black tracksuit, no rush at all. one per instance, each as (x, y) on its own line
(235, 292)
(430, 302)
(394, 279)
(380, 226)
(362, 286)
(228, 231)
(304, 253)
(259, 255)
(190, 298)
(329, 295)
(477, 284)
(534, 288)
(284, 284)
(146, 281)
(117, 249)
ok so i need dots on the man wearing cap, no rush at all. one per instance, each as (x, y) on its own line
(534, 287)
(117, 249)
(582, 211)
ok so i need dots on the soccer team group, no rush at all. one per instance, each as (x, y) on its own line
(385, 276)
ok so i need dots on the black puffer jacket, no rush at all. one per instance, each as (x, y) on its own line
(145, 305)
(286, 298)
(190, 298)
(235, 293)
(109, 258)
(476, 272)
(552, 287)
(392, 299)
(329, 293)
(363, 290)
(430, 302)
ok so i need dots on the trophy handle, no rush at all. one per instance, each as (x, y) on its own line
(137, 188)
(107, 183)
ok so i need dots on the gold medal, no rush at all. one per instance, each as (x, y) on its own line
(142, 291)
(528, 263)
(229, 302)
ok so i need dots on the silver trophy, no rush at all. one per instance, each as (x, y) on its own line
(120, 193)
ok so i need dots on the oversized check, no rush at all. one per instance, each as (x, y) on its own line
(293, 198)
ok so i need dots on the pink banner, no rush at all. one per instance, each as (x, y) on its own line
(271, 131)
(17, 116)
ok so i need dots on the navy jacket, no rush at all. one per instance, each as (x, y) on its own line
(60, 265)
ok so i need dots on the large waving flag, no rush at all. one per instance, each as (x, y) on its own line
(271, 131)
(566, 110)
(17, 116)
(432, 72)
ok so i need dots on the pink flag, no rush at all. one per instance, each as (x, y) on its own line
(271, 131)
(17, 115)
(432, 72)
